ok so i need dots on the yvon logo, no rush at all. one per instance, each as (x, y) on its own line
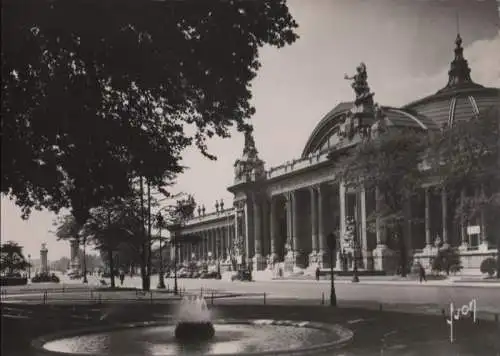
(457, 314)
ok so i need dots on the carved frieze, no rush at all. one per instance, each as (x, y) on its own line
(303, 180)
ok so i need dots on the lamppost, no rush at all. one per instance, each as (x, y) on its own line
(175, 267)
(217, 257)
(29, 266)
(355, 277)
(331, 241)
(161, 281)
(84, 240)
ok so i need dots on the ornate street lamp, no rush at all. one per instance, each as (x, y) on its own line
(355, 277)
(161, 281)
(29, 266)
(84, 241)
(331, 241)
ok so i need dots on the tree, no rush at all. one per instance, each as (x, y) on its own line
(466, 158)
(390, 164)
(116, 226)
(12, 258)
(81, 78)
(447, 260)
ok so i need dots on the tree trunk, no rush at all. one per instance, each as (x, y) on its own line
(144, 275)
(111, 267)
(403, 258)
(149, 233)
(498, 235)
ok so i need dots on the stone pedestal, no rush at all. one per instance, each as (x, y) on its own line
(313, 260)
(323, 259)
(259, 262)
(44, 259)
(483, 247)
(382, 258)
(464, 246)
(289, 262)
(368, 260)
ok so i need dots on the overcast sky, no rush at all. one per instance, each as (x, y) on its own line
(406, 44)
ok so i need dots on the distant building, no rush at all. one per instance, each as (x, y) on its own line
(283, 214)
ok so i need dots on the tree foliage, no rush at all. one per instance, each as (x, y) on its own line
(447, 260)
(12, 258)
(466, 157)
(389, 163)
(95, 92)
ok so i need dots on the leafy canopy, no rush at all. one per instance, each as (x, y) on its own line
(466, 157)
(96, 92)
(12, 258)
(390, 163)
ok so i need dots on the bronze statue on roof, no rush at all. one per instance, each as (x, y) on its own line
(360, 83)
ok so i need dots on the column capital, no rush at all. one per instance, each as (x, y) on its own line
(289, 195)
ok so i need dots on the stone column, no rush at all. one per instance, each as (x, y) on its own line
(258, 260)
(314, 227)
(75, 263)
(444, 206)
(214, 244)
(381, 254)
(44, 259)
(342, 210)
(323, 253)
(464, 243)
(218, 243)
(274, 229)
(364, 238)
(248, 253)
(203, 244)
(428, 241)
(298, 258)
(266, 234)
(289, 258)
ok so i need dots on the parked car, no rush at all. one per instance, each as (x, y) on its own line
(242, 275)
(209, 275)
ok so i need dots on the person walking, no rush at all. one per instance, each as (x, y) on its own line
(422, 273)
(122, 276)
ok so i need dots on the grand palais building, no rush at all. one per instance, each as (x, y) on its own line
(282, 215)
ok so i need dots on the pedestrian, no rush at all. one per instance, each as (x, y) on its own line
(422, 273)
(317, 273)
(122, 277)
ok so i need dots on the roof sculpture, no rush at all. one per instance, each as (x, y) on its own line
(250, 166)
(460, 99)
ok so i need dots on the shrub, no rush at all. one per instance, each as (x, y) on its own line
(447, 260)
(488, 266)
(45, 277)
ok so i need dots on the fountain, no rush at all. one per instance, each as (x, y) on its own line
(191, 330)
(194, 320)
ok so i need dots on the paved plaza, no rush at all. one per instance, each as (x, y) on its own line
(433, 296)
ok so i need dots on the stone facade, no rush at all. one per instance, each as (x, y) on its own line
(286, 213)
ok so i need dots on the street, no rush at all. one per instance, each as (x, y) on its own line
(487, 298)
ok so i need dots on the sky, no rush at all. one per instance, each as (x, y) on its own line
(407, 46)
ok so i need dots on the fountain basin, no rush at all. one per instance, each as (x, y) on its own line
(232, 337)
(193, 331)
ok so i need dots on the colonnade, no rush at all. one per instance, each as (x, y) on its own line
(327, 206)
(213, 245)
(293, 227)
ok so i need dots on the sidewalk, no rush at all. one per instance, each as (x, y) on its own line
(369, 280)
